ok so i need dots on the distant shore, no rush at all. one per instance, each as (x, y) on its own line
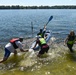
(38, 7)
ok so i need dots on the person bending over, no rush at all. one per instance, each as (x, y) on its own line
(12, 46)
(43, 45)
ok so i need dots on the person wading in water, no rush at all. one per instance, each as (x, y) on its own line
(12, 46)
(43, 45)
(70, 40)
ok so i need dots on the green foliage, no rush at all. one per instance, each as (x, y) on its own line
(37, 7)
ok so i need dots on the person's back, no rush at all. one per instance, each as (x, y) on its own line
(12, 46)
(43, 45)
(13, 42)
(41, 41)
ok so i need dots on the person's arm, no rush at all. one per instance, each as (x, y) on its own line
(44, 27)
(35, 45)
(20, 46)
(22, 50)
(65, 41)
(15, 52)
(4, 59)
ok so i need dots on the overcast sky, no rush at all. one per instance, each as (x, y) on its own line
(37, 2)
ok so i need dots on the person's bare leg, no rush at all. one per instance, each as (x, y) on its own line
(4, 59)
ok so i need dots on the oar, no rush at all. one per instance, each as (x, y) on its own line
(51, 17)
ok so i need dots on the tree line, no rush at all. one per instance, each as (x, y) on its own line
(37, 7)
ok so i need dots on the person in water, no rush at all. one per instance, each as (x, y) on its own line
(12, 46)
(43, 45)
(42, 32)
(70, 40)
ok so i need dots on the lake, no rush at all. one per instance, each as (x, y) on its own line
(16, 23)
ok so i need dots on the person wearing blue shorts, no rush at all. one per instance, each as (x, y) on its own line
(12, 46)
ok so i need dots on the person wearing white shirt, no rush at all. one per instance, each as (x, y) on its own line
(12, 46)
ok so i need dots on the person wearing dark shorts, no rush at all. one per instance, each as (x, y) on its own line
(44, 49)
(43, 45)
(70, 40)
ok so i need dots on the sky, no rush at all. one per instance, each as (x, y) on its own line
(37, 2)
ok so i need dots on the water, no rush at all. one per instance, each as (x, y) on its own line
(16, 23)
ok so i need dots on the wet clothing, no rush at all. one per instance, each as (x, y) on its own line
(43, 45)
(70, 42)
(70, 47)
(44, 49)
(41, 33)
(7, 53)
(71, 39)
